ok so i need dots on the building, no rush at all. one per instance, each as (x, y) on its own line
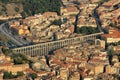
(97, 68)
(10, 67)
(64, 73)
(116, 48)
(74, 76)
(69, 10)
(112, 36)
(100, 42)
(112, 69)
(88, 78)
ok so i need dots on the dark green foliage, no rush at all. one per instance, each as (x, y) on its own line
(4, 1)
(102, 1)
(2, 21)
(23, 15)
(57, 22)
(87, 30)
(19, 59)
(4, 8)
(6, 51)
(114, 25)
(114, 44)
(110, 55)
(20, 74)
(76, 2)
(9, 75)
(33, 75)
(16, 9)
(32, 7)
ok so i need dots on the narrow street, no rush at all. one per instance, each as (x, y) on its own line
(96, 16)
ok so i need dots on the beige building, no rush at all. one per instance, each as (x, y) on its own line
(113, 36)
(13, 68)
(75, 76)
(96, 68)
(64, 73)
(111, 69)
(69, 10)
(100, 42)
(88, 78)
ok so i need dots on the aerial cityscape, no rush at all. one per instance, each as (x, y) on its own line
(59, 39)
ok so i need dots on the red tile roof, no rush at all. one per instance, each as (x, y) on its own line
(71, 9)
(30, 70)
(115, 34)
(6, 64)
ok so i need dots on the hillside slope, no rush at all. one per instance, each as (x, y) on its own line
(28, 7)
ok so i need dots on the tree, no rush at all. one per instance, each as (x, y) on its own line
(19, 73)
(19, 59)
(87, 30)
(57, 22)
(16, 9)
(32, 7)
(102, 1)
(6, 51)
(76, 2)
(33, 75)
(40, 6)
(110, 55)
(23, 15)
(82, 30)
(118, 42)
(8, 75)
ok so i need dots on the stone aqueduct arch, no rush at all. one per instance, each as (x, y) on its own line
(44, 48)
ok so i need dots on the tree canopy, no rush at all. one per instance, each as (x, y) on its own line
(87, 30)
(19, 59)
(57, 22)
(110, 55)
(9, 75)
(33, 75)
(32, 7)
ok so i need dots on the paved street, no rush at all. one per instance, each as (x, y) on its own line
(10, 36)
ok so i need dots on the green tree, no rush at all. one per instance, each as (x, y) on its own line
(32, 7)
(87, 30)
(16, 9)
(6, 51)
(33, 75)
(23, 15)
(82, 30)
(8, 75)
(102, 1)
(76, 2)
(110, 55)
(57, 22)
(118, 42)
(19, 59)
(19, 73)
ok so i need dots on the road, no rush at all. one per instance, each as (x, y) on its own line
(10, 36)
(96, 16)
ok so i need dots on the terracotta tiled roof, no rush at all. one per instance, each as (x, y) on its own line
(6, 64)
(71, 9)
(115, 34)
